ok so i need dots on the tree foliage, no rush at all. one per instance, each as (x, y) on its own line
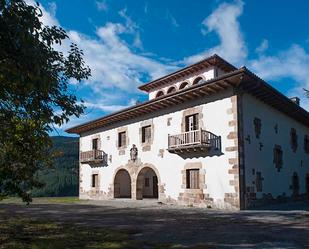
(34, 94)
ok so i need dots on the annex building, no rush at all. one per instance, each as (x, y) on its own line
(210, 135)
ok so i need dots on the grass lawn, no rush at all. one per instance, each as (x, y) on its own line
(47, 200)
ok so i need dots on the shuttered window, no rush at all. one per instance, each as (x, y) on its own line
(121, 139)
(192, 178)
(146, 134)
(95, 180)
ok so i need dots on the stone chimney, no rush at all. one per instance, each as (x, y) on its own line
(296, 100)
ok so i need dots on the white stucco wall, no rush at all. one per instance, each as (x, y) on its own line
(276, 183)
(215, 120)
(207, 75)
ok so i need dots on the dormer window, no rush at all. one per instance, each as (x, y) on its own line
(183, 85)
(159, 94)
(172, 89)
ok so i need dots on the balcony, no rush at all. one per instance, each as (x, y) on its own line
(93, 156)
(191, 141)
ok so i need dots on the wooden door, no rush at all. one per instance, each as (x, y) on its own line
(155, 186)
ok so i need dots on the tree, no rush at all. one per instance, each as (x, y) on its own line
(34, 94)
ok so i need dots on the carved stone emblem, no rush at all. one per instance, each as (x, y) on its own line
(133, 153)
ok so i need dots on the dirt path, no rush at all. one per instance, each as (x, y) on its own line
(184, 226)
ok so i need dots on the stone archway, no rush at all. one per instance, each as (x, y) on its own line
(147, 183)
(122, 184)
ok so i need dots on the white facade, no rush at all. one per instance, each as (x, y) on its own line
(275, 130)
(225, 160)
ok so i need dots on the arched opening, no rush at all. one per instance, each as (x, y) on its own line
(159, 94)
(295, 184)
(122, 184)
(197, 80)
(172, 89)
(147, 184)
(183, 85)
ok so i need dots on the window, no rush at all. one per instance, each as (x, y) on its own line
(95, 180)
(293, 139)
(198, 80)
(259, 182)
(192, 122)
(122, 139)
(306, 144)
(146, 134)
(147, 184)
(171, 90)
(95, 143)
(257, 127)
(295, 184)
(192, 178)
(183, 85)
(159, 94)
(278, 154)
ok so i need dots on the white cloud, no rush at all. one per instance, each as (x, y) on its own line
(171, 19)
(262, 47)
(224, 22)
(291, 63)
(101, 5)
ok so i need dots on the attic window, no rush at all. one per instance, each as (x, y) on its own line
(159, 94)
(171, 90)
(293, 139)
(183, 85)
(197, 80)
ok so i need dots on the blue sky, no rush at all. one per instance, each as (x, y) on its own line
(127, 43)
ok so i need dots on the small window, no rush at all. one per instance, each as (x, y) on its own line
(257, 127)
(278, 155)
(159, 94)
(295, 184)
(192, 178)
(183, 85)
(146, 134)
(95, 143)
(198, 80)
(147, 184)
(122, 139)
(306, 144)
(192, 122)
(259, 182)
(171, 90)
(293, 139)
(95, 180)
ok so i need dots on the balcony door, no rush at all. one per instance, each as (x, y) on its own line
(192, 122)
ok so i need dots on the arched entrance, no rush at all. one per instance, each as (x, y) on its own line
(122, 184)
(147, 184)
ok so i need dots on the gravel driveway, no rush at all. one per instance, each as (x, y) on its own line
(276, 227)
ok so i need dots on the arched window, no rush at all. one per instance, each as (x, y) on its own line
(198, 80)
(183, 85)
(159, 94)
(172, 89)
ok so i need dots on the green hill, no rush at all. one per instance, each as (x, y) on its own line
(62, 178)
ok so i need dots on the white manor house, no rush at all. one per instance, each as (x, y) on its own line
(210, 135)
